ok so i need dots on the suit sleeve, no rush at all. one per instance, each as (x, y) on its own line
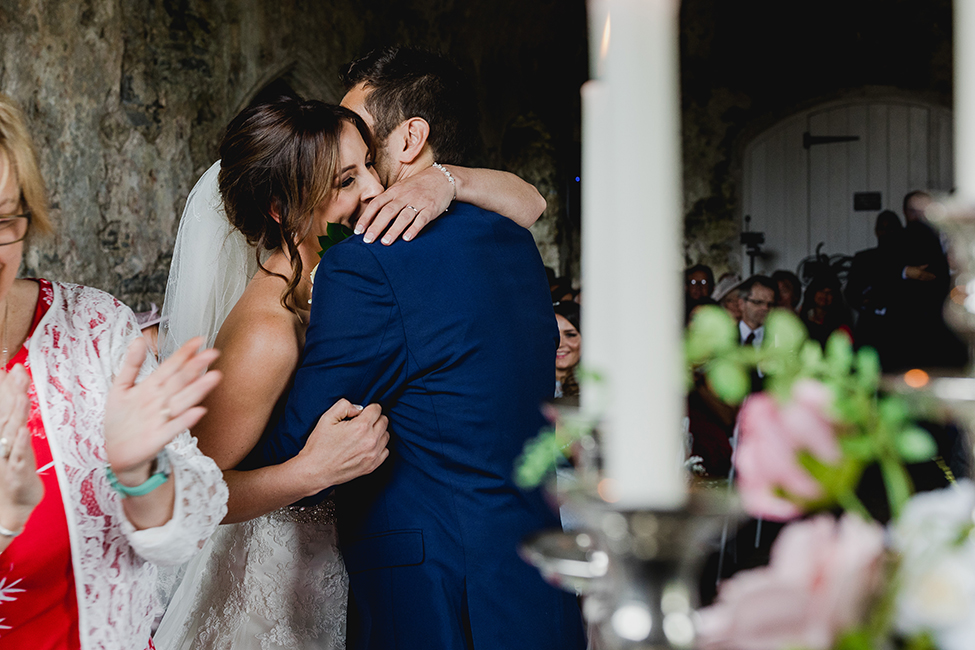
(354, 348)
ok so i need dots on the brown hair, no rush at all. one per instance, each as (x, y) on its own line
(279, 159)
(409, 82)
(18, 148)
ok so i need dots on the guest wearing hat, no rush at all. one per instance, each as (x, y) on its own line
(726, 294)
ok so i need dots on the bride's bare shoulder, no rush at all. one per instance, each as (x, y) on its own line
(260, 327)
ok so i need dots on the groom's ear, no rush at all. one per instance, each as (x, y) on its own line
(412, 138)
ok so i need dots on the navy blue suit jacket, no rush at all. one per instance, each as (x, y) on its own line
(454, 334)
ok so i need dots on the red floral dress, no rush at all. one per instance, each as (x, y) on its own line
(38, 601)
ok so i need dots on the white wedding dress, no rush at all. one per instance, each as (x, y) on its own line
(273, 583)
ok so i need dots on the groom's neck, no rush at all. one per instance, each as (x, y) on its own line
(417, 165)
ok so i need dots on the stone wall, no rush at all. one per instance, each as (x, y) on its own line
(127, 100)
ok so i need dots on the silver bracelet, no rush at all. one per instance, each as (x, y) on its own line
(10, 533)
(450, 177)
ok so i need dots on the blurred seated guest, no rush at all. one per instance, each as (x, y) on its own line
(757, 295)
(698, 286)
(99, 477)
(790, 289)
(872, 288)
(149, 324)
(570, 349)
(726, 294)
(562, 290)
(823, 309)
(711, 425)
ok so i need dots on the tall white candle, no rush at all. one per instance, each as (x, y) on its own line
(964, 91)
(633, 126)
(598, 247)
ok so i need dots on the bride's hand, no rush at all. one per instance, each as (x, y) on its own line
(140, 419)
(348, 441)
(413, 202)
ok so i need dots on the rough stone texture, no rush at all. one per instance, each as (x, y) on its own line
(127, 100)
(747, 64)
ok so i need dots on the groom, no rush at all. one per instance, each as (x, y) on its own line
(453, 333)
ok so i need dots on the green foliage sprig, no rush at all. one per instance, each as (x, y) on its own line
(334, 233)
(871, 428)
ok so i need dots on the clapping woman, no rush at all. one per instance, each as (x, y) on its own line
(99, 477)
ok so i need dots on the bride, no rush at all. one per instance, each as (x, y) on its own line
(275, 579)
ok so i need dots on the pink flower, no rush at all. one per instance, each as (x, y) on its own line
(819, 582)
(771, 436)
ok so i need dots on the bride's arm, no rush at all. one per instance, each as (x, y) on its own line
(430, 193)
(259, 354)
(347, 442)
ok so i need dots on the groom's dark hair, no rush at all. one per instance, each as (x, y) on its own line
(407, 82)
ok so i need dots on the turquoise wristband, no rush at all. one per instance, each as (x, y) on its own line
(148, 486)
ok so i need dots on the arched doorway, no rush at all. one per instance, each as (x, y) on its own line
(821, 176)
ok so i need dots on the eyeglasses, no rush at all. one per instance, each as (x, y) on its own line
(14, 227)
(697, 282)
(761, 303)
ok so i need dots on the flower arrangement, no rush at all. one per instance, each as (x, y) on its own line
(833, 582)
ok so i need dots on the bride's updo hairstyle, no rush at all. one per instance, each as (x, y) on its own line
(278, 163)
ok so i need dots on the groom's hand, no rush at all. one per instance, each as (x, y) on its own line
(348, 441)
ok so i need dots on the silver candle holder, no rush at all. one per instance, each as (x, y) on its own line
(636, 570)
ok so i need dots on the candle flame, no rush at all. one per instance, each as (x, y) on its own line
(604, 45)
(915, 378)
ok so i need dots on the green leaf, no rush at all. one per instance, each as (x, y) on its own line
(783, 329)
(857, 638)
(334, 233)
(538, 459)
(711, 332)
(728, 380)
(861, 447)
(898, 484)
(868, 369)
(922, 641)
(915, 445)
(893, 411)
(839, 352)
(811, 356)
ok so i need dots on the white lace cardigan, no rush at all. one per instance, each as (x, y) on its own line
(74, 354)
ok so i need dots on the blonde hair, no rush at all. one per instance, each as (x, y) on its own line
(18, 149)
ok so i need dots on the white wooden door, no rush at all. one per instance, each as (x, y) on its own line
(802, 175)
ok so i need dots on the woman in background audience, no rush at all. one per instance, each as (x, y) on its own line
(790, 289)
(824, 310)
(570, 349)
(698, 287)
(726, 294)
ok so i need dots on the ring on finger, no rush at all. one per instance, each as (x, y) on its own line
(4, 448)
(414, 209)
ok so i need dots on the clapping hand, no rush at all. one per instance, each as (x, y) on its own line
(140, 419)
(413, 202)
(21, 488)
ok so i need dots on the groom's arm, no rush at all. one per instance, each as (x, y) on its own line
(354, 347)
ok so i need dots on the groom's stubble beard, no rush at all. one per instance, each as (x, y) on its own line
(382, 166)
